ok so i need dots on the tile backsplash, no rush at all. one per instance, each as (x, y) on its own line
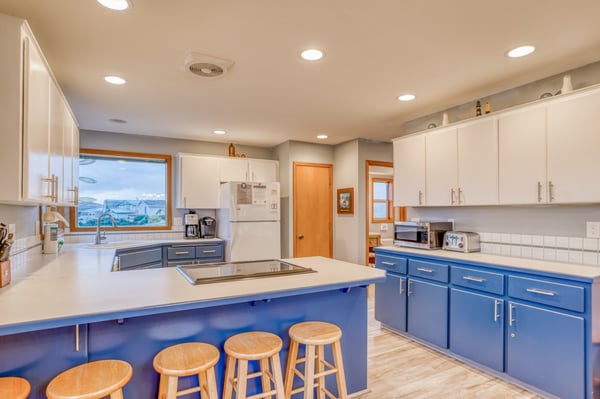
(576, 250)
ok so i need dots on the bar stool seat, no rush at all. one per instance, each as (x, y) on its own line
(14, 387)
(93, 380)
(256, 345)
(182, 360)
(315, 335)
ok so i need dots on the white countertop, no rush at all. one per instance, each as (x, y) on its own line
(567, 269)
(77, 286)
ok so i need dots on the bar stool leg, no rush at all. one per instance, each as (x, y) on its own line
(117, 394)
(277, 376)
(211, 385)
(320, 370)
(265, 381)
(340, 375)
(242, 379)
(229, 376)
(291, 365)
(309, 372)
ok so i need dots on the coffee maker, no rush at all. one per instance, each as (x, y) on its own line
(192, 229)
(208, 227)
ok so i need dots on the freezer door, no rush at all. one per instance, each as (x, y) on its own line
(253, 241)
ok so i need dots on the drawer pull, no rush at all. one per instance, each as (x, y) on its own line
(422, 269)
(209, 251)
(541, 292)
(475, 279)
(182, 253)
(388, 263)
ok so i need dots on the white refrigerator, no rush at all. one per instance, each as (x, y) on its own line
(248, 221)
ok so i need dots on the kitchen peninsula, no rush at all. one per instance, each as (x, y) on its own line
(64, 310)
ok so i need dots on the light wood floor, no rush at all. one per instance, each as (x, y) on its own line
(401, 368)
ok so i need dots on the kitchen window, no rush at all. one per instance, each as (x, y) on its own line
(132, 187)
(382, 210)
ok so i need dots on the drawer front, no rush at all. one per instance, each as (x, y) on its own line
(391, 263)
(429, 270)
(563, 296)
(140, 257)
(174, 253)
(478, 280)
(209, 251)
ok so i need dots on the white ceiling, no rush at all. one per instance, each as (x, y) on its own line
(446, 52)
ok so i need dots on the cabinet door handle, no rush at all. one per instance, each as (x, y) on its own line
(420, 197)
(401, 286)
(550, 191)
(77, 343)
(451, 196)
(539, 186)
(496, 313)
(422, 269)
(409, 292)
(383, 262)
(541, 292)
(510, 314)
(475, 279)
(209, 251)
(460, 194)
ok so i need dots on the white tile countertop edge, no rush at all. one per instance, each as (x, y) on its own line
(78, 283)
(567, 269)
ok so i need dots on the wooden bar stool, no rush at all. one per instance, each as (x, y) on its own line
(93, 380)
(182, 360)
(315, 335)
(256, 345)
(14, 388)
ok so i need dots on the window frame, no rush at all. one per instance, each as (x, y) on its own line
(133, 155)
(389, 201)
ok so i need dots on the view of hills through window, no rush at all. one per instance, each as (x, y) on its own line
(132, 190)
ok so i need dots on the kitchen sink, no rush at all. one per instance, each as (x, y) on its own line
(228, 271)
(116, 244)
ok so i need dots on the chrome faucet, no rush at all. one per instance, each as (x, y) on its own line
(98, 229)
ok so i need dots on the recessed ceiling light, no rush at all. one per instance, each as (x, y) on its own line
(322, 136)
(312, 54)
(117, 5)
(406, 97)
(115, 80)
(219, 132)
(521, 51)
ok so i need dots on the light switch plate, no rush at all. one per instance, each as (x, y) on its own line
(383, 227)
(592, 229)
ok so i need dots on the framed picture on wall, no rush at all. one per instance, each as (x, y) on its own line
(345, 201)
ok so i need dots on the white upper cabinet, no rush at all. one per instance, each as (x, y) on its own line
(33, 119)
(247, 169)
(522, 156)
(409, 171)
(573, 148)
(197, 184)
(442, 167)
(462, 164)
(478, 163)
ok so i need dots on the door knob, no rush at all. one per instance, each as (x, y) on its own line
(301, 236)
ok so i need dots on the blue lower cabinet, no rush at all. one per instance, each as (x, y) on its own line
(477, 327)
(39, 356)
(428, 311)
(390, 302)
(546, 349)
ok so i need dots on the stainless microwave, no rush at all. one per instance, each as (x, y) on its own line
(425, 235)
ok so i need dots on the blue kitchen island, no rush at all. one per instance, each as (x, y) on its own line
(61, 311)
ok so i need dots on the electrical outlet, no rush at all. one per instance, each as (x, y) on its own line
(383, 227)
(592, 229)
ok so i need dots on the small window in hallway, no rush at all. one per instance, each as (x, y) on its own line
(382, 210)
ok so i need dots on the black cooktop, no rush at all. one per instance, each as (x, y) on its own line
(220, 272)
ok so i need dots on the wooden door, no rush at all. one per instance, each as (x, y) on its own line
(313, 209)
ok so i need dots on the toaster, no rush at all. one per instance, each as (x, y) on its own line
(461, 241)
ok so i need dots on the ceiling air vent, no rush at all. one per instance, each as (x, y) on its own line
(206, 65)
